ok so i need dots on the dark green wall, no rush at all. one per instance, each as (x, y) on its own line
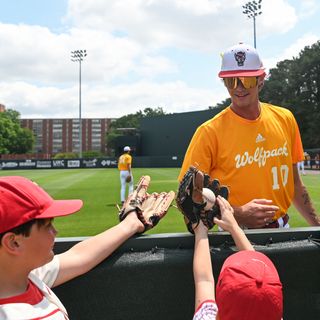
(133, 141)
(170, 134)
(150, 276)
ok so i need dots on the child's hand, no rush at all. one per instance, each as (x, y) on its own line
(200, 229)
(227, 221)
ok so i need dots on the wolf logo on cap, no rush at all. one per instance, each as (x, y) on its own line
(240, 57)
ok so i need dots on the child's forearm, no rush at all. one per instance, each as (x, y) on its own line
(202, 266)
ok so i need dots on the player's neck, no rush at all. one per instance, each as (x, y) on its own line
(249, 112)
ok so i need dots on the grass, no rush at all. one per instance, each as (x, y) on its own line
(100, 191)
(312, 182)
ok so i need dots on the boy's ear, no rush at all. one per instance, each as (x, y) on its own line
(11, 242)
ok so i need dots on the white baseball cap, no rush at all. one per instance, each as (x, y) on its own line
(126, 148)
(241, 60)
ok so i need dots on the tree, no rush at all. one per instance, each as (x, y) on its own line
(132, 120)
(13, 138)
(23, 141)
(222, 105)
(149, 112)
(125, 124)
(295, 84)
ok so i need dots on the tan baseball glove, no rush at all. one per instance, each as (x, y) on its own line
(150, 208)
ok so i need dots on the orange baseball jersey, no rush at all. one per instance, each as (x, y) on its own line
(123, 162)
(253, 158)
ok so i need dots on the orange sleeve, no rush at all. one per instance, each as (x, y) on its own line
(200, 152)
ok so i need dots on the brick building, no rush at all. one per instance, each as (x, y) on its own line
(62, 135)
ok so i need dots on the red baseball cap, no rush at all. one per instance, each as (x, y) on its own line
(22, 200)
(249, 288)
(241, 60)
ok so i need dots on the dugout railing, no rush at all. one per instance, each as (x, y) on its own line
(150, 276)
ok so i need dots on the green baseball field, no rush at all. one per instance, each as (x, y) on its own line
(100, 191)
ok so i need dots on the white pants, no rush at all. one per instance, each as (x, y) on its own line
(123, 176)
(301, 167)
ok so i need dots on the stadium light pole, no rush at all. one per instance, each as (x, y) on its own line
(78, 56)
(252, 9)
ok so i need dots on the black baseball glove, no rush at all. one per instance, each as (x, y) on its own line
(190, 199)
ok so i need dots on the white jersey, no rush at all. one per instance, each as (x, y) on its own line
(208, 310)
(39, 301)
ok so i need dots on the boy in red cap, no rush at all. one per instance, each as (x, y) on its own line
(248, 287)
(28, 266)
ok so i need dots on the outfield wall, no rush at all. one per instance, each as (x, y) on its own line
(172, 161)
(150, 276)
(170, 134)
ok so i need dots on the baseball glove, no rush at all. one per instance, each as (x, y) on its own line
(190, 200)
(150, 208)
(128, 178)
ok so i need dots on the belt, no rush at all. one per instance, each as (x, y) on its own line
(281, 222)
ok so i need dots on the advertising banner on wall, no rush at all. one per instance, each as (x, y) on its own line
(58, 164)
(172, 161)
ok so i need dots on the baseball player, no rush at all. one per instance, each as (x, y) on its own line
(248, 287)
(125, 168)
(253, 148)
(28, 265)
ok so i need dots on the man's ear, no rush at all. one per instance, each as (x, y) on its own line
(11, 242)
(260, 83)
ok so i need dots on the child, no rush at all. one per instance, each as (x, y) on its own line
(248, 286)
(28, 266)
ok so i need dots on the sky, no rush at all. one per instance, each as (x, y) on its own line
(140, 53)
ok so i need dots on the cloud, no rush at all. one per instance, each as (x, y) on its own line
(292, 51)
(132, 60)
(191, 24)
(40, 56)
(155, 24)
(278, 17)
(103, 101)
(171, 96)
(307, 8)
(39, 102)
